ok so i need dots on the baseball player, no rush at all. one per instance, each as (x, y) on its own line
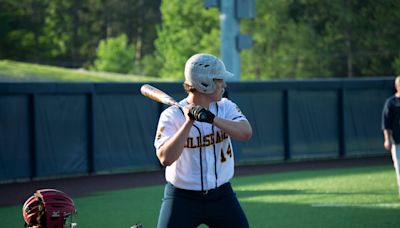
(49, 208)
(194, 143)
(391, 128)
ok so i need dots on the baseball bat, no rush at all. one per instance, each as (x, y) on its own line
(158, 95)
(162, 97)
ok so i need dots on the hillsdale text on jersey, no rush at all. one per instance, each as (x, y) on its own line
(206, 140)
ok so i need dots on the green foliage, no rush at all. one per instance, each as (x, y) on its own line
(187, 28)
(150, 65)
(21, 26)
(67, 32)
(396, 65)
(291, 39)
(308, 38)
(379, 37)
(282, 47)
(115, 55)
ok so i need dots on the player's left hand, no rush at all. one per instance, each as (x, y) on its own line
(201, 114)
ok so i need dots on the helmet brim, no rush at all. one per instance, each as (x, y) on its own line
(225, 76)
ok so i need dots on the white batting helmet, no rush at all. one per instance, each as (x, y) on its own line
(201, 69)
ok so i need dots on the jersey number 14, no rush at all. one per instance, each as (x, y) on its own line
(228, 153)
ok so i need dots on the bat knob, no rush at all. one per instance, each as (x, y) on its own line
(202, 116)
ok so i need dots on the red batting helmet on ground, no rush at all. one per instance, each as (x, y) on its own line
(49, 208)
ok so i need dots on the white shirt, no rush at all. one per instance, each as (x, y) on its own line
(207, 160)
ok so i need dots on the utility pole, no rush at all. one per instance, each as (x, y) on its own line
(232, 42)
(229, 27)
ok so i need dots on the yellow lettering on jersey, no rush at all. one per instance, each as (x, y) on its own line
(219, 138)
(206, 140)
(212, 139)
(229, 151)
(223, 158)
(198, 141)
(160, 131)
(224, 136)
(189, 143)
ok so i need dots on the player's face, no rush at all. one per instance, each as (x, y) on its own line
(221, 85)
(397, 85)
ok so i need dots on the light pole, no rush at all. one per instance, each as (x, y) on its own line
(232, 42)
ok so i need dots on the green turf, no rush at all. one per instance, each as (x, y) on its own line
(18, 71)
(359, 197)
(351, 197)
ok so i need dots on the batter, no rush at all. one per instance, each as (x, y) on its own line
(194, 144)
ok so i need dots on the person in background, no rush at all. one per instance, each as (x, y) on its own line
(391, 128)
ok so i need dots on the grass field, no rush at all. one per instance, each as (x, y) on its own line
(345, 197)
(12, 71)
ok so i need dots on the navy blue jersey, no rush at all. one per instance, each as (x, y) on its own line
(391, 117)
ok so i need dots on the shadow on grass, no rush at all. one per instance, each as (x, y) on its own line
(291, 215)
(311, 174)
(294, 192)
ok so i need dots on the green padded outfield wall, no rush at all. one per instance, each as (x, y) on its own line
(62, 129)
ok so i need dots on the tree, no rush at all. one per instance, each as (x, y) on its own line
(380, 39)
(283, 47)
(291, 39)
(67, 32)
(115, 55)
(187, 28)
(25, 19)
(308, 38)
(396, 65)
(135, 18)
(63, 32)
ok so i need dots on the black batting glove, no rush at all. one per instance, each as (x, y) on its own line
(201, 114)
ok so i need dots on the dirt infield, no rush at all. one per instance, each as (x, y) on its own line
(16, 193)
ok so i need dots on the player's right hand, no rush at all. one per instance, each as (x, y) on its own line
(186, 111)
(387, 145)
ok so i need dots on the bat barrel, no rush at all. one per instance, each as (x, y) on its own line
(157, 95)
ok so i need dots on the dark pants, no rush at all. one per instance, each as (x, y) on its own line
(215, 208)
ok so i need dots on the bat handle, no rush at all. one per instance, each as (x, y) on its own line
(202, 116)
